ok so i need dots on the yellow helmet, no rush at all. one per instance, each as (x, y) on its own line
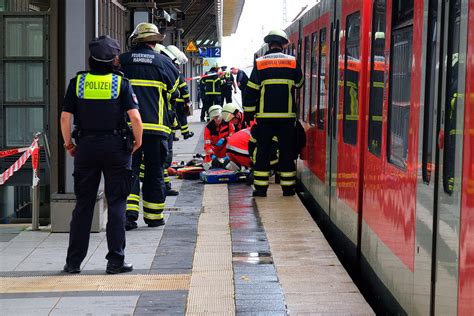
(146, 32)
(215, 110)
(276, 35)
(228, 111)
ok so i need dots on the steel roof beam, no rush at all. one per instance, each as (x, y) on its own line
(196, 20)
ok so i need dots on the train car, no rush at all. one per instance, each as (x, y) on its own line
(388, 111)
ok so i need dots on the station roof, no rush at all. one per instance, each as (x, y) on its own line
(205, 20)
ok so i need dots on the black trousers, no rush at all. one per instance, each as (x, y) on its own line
(286, 134)
(210, 100)
(226, 96)
(97, 155)
(154, 151)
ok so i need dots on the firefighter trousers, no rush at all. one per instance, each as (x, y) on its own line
(182, 117)
(154, 151)
(286, 134)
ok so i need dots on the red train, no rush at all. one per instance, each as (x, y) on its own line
(388, 108)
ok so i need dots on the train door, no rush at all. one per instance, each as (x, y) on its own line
(350, 138)
(331, 144)
(450, 144)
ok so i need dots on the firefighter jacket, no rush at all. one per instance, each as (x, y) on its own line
(212, 84)
(183, 90)
(213, 133)
(154, 79)
(270, 91)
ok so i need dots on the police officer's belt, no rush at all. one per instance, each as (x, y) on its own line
(115, 132)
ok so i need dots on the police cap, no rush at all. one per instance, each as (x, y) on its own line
(104, 48)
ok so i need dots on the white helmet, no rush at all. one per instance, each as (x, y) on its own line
(215, 110)
(164, 51)
(180, 56)
(278, 36)
(228, 111)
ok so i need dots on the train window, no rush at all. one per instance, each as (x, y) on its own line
(451, 130)
(322, 77)
(351, 79)
(307, 72)
(313, 77)
(400, 88)
(377, 64)
(402, 12)
(430, 93)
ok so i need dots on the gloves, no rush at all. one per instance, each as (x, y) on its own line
(226, 158)
(220, 142)
(213, 156)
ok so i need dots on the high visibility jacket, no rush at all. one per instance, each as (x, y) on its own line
(271, 87)
(153, 77)
(212, 134)
(98, 97)
(212, 84)
(238, 147)
(227, 81)
(183, 90)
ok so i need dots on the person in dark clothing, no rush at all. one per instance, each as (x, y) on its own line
(241, 78)
(228, 85)
(103, 147)
(153, 77)
(270, 98)
(212, 86)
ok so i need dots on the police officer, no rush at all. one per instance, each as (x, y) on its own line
(270, 98)
(153, 76)
(104, 146)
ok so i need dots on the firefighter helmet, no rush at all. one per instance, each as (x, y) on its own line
(228, 111)
(164, 51)
(180, 56)
(214, 111)
(146, 32)
(276, 35)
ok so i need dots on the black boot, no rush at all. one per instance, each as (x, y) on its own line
(188, 135)
(259, 192)
(117, 268)
(289, 192)
(130, 225)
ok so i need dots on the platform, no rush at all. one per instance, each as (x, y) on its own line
(221, 252)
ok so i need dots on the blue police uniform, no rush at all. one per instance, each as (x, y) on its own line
(99, 102)
(153, 77)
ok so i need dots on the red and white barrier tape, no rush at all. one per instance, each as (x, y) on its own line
(204, 76)
(33, 151)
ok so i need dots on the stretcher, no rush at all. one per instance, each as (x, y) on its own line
(213, 176)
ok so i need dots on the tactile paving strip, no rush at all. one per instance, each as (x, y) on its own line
(68, 283)
(212, 287)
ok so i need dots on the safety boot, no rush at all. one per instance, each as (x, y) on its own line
(71, 269)
(157, 223)
(117, 268)
(171, 192)
(289, 192)
(130, 225)
(259, 193)
(188, 135)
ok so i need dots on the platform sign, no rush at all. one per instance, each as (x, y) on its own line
(210, 52)
(191, 47)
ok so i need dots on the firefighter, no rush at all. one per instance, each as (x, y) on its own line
(227, 85)
(153, 76)
(234, 114)
(103, 147)
(216, 134)
(270, 98)
(183, 102)
(212, 86)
